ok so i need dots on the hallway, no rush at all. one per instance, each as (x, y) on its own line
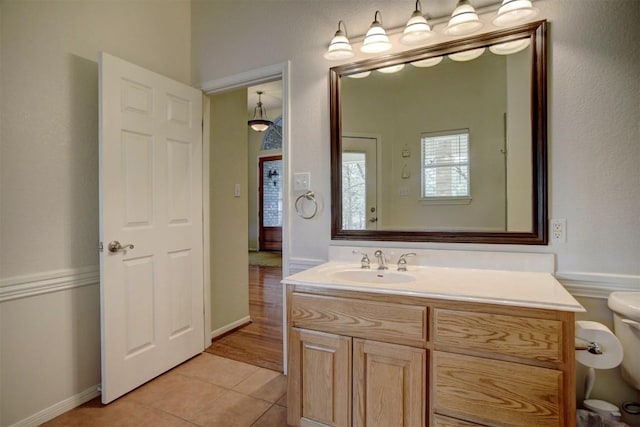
(260, 342)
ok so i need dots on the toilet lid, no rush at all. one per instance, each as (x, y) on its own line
(600, 406)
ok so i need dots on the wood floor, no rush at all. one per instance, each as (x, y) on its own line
(260, 342)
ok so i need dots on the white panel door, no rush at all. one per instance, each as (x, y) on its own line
(151, 293)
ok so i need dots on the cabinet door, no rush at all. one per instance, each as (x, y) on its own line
(389, 385)
(319, 379)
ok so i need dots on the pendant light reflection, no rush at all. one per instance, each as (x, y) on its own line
(391, 69)
(339, 48)
(514, 11)
(260, 122)
(429, 62)
(361, 75)
(376, 39)
(464, 20)
(417, 29)
(507, 48)
(467, 55)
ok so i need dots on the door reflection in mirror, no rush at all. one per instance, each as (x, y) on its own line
(359, 183)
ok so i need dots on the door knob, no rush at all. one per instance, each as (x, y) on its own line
(115, 246)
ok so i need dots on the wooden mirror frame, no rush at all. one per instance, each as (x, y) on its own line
(538, 234)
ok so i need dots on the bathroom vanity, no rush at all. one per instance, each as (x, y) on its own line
(433, 346)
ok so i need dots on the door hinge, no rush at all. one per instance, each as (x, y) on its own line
(100, 247)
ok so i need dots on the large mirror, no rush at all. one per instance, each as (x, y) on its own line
(445, 143)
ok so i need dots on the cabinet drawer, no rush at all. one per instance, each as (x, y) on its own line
(496, 392)
(521, 337)
(380, 321)
(440, 421)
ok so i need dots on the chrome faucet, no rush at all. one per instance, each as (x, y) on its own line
(402, 262)
(382, 264)
(364, 262)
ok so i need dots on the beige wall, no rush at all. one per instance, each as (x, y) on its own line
(49, 297)
(49, 133)
(229, 214)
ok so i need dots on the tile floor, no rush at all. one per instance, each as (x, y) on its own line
(207, 390)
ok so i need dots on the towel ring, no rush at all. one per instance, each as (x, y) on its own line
(309, 195)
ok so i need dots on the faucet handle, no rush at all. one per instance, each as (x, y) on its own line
(381, 256)
(402, 261)
(364, 262)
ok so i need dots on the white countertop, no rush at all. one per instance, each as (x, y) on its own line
(511, 288)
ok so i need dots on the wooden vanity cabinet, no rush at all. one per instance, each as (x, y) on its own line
(364, 359)
(384, 381)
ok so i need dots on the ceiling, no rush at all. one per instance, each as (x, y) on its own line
(271, 97)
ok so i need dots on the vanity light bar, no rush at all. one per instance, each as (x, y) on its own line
(464, 21)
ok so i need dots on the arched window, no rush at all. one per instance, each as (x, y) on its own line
(273, 136)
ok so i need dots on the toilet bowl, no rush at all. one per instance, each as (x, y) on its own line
(626, 323)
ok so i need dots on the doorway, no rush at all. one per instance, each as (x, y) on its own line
(261, 333)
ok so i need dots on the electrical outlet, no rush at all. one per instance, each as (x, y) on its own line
(302, 181)
(558, 228)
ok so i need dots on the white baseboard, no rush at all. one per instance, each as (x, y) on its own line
(59, 408)
(230, 326)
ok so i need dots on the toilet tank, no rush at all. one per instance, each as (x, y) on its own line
(626, 324)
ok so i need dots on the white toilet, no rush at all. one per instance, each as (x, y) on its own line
(626, 324)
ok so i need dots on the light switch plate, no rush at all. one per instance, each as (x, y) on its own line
(302, 181)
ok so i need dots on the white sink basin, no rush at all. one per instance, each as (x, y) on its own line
(372, 276)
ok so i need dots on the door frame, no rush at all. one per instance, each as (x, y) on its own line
(256, 76)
